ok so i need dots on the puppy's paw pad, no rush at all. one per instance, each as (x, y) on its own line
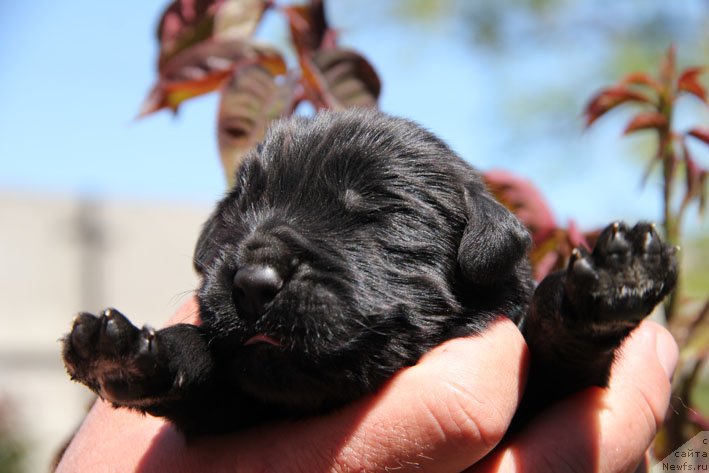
(613, 247)
(629, 271)
(581, 266)
(147, 343)
(117, 334)
(84, 333)
(146, 349)
(94, 342)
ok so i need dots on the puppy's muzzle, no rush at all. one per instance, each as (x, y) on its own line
(254, 287)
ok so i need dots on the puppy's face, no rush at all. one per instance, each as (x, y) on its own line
(334, 260)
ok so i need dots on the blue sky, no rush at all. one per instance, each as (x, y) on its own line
(73, 76)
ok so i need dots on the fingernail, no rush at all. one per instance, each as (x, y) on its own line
(667, 351)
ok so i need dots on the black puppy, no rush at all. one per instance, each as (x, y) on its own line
(350, 245)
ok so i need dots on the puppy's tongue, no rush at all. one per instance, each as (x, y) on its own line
(261, 338)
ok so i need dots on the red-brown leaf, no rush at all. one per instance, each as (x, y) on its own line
(695, 181)
(309, 28)
(184, 23)
(609, 98)
(646, 120)
(689, 82)
(339, 78)
(701, 133)
(171, 94)
(641, 78)
(204, 68)
(249, 102)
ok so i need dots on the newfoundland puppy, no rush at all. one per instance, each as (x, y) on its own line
(352, 243)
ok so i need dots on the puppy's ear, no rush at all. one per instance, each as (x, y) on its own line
(206, 249)
(494, 242)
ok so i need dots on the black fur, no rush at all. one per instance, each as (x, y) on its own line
(355, 242)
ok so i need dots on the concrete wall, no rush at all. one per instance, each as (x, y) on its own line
(60, 255)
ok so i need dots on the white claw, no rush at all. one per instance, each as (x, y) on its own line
(575, 256)
(149, 336)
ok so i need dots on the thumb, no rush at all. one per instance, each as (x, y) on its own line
(600, 430)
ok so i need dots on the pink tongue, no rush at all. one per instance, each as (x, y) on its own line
(261, 338)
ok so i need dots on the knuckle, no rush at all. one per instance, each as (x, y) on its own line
(466, 420)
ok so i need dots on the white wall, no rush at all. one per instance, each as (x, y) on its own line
(143, 268)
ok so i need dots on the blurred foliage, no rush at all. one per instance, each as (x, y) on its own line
(696, 274)
(583, 43)
(638, 29)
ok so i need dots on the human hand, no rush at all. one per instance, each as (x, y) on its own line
(446, 413)
(599, 429)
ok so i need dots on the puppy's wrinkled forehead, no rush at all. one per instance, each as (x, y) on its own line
(330, 180)
(321, 166)
(313, 175)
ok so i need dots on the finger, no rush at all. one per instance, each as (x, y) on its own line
(600, 430)
(443, 414)
(640, 391)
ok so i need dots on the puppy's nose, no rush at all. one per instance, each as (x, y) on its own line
(254, 287)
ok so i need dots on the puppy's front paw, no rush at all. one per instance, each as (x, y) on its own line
(114, 358)
(628, 273)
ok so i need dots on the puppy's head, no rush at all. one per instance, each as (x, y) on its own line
(335, 259)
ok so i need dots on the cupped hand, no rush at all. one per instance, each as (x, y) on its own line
(448, 413)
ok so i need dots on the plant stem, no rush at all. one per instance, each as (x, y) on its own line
(671, 219)
(671, 223)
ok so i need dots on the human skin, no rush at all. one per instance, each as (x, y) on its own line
(449, 413)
